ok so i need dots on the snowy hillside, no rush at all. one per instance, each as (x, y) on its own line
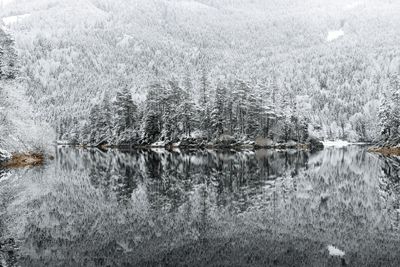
(328, 54)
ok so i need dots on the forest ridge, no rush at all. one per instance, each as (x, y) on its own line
(239, 68)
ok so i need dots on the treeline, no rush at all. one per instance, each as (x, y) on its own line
(8, 57)
(8, 70)
(389, 112)
(236, 110)
(339, 82)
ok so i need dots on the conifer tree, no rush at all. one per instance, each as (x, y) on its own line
(217, 114)
(125, 111)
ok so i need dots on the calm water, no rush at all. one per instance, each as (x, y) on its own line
(159, 208)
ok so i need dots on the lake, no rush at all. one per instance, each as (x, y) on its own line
(202, 208)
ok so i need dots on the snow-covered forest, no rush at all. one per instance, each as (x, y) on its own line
(145, 71)
(199, 133)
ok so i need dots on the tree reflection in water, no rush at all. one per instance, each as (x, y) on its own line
(206, 208)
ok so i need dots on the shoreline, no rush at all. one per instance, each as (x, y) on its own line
(302, 147)
(23, 160)
(385, 150)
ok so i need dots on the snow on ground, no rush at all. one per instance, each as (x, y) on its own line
(4, 155)
(125, 40)
(158, 144)
(4, 3)
(352, 6)
(333, 35)
(333, 251)
(336, 143)
(5, 176)
(14, 19)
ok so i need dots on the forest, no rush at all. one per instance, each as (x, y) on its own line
(169, 113)
(257, 75)
(8, 71)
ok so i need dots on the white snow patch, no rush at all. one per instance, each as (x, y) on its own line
(5, 154)
(63, 142)
(14, 19)
(336, 143)
(333, 35)
(158, 144)
(6, 2)
(125, 41)
(352, 6)
(333, 251)
(5, 176)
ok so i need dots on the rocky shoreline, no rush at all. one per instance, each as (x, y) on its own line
(312, 144)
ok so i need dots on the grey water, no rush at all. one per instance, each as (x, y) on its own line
(202, 208)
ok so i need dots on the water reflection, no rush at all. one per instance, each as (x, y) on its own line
(170, 176)
(93, 208)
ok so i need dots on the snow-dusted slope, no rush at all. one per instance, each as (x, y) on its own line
(14, 19)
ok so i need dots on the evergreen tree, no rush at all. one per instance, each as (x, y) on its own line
(395, 105)
(153, 109)
(187, 113)
(217, 114)
(94, 121)
(104, 122)
(8, 57)
(384, 117)
(125, 111)
(152, 126)
(241, 90)
(254, 114)
(204, 107)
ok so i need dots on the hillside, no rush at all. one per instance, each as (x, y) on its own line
(332, 59)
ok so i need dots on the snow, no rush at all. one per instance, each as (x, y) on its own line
(14, 19)
(125, 41)
(333, 251)
(333, 35)
(6, 2)
(352, 6)
(158, 144)
(4, 155)
(336, 143)
(5, 176)
(62, 142)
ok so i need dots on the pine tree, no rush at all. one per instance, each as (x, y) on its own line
(152, 122)
(2, 62)
(204, 107)
(125, 111)
(104, 123)
(384, 117)
(241, 90)
(285, 115)
(395, 105)
(187, 113)
(8, 57)
(152, 126)
(171, 99)
(254, 113)
(94, 120)
(217, 114)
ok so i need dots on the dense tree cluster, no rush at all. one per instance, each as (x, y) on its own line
(170, 113)
(333, 86)
(8, 57)
(8, 70)
(389, 112)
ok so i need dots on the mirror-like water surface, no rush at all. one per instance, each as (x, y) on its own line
(159, 208)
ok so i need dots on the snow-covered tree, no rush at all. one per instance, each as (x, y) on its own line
(125, 111)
